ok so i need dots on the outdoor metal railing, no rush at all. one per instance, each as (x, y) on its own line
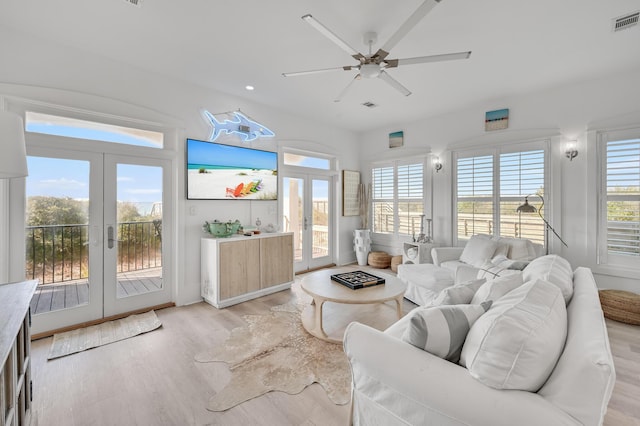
(59, 253)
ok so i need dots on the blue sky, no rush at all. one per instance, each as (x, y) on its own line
(215, 154)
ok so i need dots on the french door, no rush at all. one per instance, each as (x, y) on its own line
(308, 213)
(94, 235)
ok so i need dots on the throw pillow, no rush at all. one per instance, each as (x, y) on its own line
(553, 268)
(478, 250)
(441, 330)
(521, 249)
(517, 343)
(489, 271)
(496, 288)
(458, 294)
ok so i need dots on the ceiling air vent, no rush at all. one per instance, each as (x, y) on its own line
(369, 104)
(624, 22)
(137, 3)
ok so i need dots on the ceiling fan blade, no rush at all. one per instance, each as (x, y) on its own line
(392, 63)
(345, 68)
(411, 22)
(346, 89)
(332, 36)
(394, 83)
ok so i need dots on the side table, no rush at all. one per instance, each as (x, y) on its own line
(417, 253)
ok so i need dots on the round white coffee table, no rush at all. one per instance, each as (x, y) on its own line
(329, 323)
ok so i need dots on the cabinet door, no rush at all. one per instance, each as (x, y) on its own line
(239, 268)
(276, 260)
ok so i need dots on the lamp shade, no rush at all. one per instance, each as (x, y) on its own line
(526, 207)
(13, 155)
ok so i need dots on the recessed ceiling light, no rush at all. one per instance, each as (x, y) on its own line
(249, 87)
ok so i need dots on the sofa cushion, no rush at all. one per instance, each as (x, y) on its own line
(490, 271)
(441, 330)
(477, 250)
(458, 294)
(521, 249)
(496, 288)
(424, 281)
(554, 269)
(516, 344)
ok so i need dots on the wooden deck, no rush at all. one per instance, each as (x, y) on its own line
(53, 297)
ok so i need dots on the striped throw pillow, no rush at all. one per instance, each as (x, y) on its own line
(442, 330)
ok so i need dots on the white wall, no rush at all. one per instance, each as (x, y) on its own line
(32, 67)
(565, 113)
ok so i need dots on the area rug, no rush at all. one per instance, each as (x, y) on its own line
(273, 352)
(79, 340)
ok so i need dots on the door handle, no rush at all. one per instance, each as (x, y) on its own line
(306, 223)
(110, 237)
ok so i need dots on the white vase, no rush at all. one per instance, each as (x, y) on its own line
(362, 245)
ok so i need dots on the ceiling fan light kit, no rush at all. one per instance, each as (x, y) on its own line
(374, 65)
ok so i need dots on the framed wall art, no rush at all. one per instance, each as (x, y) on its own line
(350, 182)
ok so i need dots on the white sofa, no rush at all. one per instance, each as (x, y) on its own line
(483, 257)
(395, 383)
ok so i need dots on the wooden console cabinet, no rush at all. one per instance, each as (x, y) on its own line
(15, 352)
(237, 269)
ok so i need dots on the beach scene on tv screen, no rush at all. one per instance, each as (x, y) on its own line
(217, 171)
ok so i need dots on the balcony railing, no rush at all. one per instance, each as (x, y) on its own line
(59, 253)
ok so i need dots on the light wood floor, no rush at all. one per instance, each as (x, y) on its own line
(152, 379)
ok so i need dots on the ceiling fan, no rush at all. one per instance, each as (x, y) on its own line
(374, 65)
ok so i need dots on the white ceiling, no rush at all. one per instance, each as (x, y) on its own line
(518, 47)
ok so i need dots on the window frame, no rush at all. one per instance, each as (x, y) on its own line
(395, 164)
(603, 257)
(496, 150)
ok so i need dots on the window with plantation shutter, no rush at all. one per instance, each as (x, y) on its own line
(521, 174)
(492, 183)
(475, 196)
(382, 199)
(397, 198)
(622, 200)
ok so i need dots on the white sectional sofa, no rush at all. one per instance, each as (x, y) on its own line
(558, 368)
(482, 257)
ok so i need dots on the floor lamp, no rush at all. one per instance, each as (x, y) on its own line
(528, 208)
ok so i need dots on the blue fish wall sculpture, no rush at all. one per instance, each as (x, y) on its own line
(245, 128)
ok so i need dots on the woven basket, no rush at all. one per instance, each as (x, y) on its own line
(620, 305)
(379, 259)
(395, 261)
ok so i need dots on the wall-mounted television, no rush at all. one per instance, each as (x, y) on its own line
(225, 172)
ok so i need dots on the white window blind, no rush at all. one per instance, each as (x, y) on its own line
(521, 174)
(475, 196)
(410, 205)
(490, 186)
(623, 197)
(397, 198)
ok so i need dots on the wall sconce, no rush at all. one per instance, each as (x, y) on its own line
(437, 165)
(572, 150)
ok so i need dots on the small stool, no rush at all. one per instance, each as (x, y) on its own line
(620, 305)
(379, 259)
(395, 261)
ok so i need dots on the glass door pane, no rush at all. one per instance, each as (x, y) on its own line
(293, 213)
(138, 229)
(320, 191)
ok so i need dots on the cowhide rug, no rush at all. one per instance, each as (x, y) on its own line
(273, 352)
